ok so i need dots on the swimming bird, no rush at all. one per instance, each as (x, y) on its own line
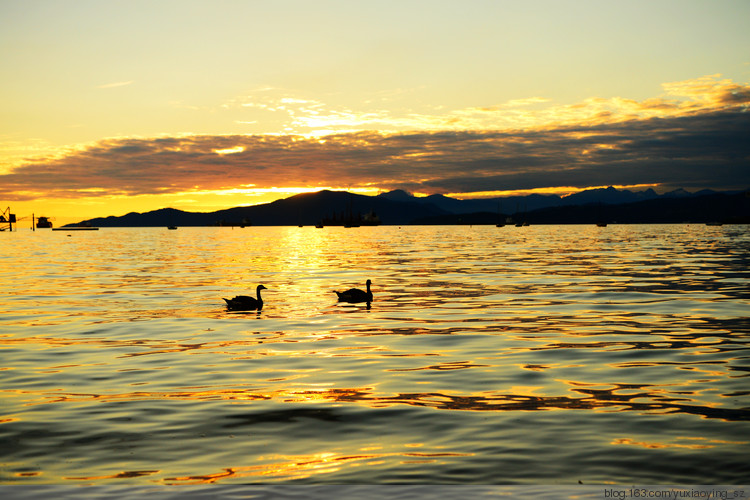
(355, 294)
(245, 303)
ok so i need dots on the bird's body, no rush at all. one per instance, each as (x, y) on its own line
(355, 294)
(246, 303)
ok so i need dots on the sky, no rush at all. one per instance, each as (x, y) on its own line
(119, 106)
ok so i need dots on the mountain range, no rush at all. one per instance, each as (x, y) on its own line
(401, 208)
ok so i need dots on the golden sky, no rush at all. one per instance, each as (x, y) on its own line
(119, 106)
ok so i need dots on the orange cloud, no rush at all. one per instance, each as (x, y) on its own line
(698, 142)
(313, 117)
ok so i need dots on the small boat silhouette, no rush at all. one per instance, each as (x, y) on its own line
(43, 222)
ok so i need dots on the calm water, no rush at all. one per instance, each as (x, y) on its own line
(548, 354)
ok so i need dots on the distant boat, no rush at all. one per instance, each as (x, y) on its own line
(523, 222)
(349, 219)
(43, 223)
(714, 223)
(602, 220)
(371, 219)
(171, 227)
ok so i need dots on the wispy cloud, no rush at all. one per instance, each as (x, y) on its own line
(305, 116)
(697, 135)
(115, 84)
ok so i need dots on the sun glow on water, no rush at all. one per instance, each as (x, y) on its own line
(480, 340)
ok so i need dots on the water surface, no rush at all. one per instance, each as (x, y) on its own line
(535, 355)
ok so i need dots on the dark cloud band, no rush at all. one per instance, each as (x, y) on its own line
(700, 150)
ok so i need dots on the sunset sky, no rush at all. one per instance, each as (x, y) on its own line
(115, 106)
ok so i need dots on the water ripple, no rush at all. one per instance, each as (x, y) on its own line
(513, 355)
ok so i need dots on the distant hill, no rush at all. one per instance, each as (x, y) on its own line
(716, 207)
(508, 204)
(401, 208)
(306, 209)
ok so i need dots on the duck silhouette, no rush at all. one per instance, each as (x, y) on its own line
(355, 294)
(245, 303)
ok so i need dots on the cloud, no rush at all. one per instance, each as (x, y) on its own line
(314, 117)
(525, 102)
(701, 142)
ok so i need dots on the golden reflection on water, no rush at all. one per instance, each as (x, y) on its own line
(288, 468)
(620, 398)
(710, 443)
(468, 327)
(293, 386)
(28, 474)
(119, 475)
(293, 263)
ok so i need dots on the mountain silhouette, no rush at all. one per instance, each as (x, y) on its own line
(401, 208)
